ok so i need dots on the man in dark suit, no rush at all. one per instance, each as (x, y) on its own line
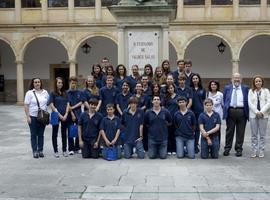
(236, 113)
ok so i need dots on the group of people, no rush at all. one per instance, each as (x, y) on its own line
(160, 112)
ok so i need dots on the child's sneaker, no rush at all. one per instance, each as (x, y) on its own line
(71, 153)
(254, 154)
(65, 154)
(56, 155)
(261, 154)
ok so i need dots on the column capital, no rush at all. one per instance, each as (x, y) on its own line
(73, 61)
(19, 62)
(235, 60)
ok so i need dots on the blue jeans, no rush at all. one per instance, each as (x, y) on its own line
(37, 135)
(181, 142)
(128, 149)
(156, 149)
(206, 149)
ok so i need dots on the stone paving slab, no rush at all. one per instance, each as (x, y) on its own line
(22, 177)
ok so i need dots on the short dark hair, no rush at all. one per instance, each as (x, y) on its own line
(73, 78)
(133, 99)
(181, 60)
(110, 105)
(93, 101)
(208, 100)
(182, 98)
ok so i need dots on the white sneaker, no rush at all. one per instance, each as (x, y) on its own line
(65, 154)
(254, 154)
(56, 155)
(261, 154)
(71, 153)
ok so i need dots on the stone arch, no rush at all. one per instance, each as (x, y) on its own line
(192, 38)
(26, 44)
(10, 44)
(245, 41)
(78, 43)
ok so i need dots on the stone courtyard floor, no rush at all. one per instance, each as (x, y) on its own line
(22, 177)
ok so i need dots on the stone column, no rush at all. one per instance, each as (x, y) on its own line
(180, 9)
(121, 46)
(263, 11)
(72, 68)
(235, 66)
(20, 82)
(208, 9)
(18, 11)
(98, 9)
(165, 43)
(44, 10)
(235, 9)
(71, 10)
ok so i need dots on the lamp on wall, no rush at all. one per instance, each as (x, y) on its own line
(221, 47)
(86, 48)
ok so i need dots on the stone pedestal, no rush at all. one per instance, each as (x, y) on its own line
(143, 31)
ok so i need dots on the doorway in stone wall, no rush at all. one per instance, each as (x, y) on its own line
(59, 70)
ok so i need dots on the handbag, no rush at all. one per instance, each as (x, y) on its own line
(54, 120)
(111, 153)
(43, 116)
(73, 131)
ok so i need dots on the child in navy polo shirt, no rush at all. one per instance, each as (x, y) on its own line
(209, 122)
(185, 122)
(123, 98)
(184, 90)
(157, 120)
(132, 120)
(88, 130)
(110, 131)
(107, 95)
(75, 103)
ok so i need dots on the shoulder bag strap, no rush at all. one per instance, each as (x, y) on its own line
(36, 99)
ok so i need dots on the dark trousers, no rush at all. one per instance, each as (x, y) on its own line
(236, 120)
(88, 150)
(197, 131)
(64, 127)
(73, 143)
(37, 135)
(171, 139)
(145, 138)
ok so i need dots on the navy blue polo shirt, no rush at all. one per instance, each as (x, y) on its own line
(99, 81)
(186, 92)
(110, 126)
(132, 83)
(90, 126)
(88, 95)
(141, 101)
(122, 100)
(148, 91)
(132, 124)
(107, 96)
(184, 124)
(209, 122)
(197, 100)
(175, 77)
(74, 97)
(172, 105)
(158, 124)
(59, 102)
(119, 82)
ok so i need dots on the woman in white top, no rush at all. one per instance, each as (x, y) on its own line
(216, 96)
(31, 110)
(259, 104)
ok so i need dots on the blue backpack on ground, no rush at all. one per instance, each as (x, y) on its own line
(54, 119)
(73, 131)
(111, 153)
